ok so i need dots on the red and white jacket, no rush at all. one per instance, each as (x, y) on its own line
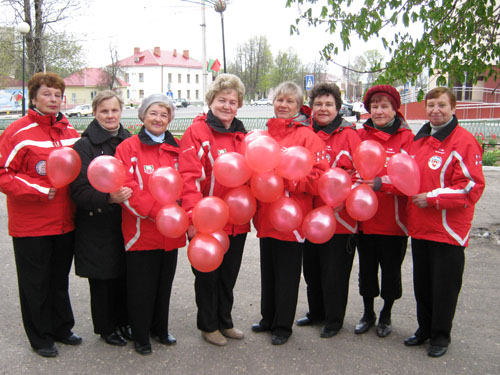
(202, 143)
(294, 132)
(391, 218)
(451, 174)
(341, 140)
(24, 148)
(141, 156)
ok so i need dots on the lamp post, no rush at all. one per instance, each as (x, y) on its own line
(24, 29)
(220, 7)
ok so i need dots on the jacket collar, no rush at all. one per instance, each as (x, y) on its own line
(59, 121)
(338, 124)
(216, 124)
(440, 135)
(146, 139)
(98, 135)
(399, 125)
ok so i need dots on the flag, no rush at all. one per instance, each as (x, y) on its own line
(214, 65)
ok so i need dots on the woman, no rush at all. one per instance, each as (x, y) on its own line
(383, 238)
(43, 243)
(99, 248)
(209, 136)
(327, 267)
(440, 216)
(281, 252)
(151, 258)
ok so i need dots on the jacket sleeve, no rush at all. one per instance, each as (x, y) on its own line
(351, 141)
(82, 192)
(466, 183)
(14, 181)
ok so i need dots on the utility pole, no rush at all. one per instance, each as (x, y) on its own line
(204, 49)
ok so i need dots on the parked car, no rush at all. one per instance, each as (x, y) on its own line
(346, 110)
(181, 103)
(263, 101)
(80, 110)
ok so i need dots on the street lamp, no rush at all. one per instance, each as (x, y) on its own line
(24, 29)
(220, 7)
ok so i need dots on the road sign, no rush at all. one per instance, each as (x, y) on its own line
(309, 81)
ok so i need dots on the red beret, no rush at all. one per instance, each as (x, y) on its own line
(387, 90)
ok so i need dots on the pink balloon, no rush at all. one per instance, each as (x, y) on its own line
(231, 170)
(404, 174)
(205, 252)
(267, 186)
(262, 154)
(223, 239)
(63, 166)
(165, 184)
(361, 203)
(369, 159)
(319, 224)
(210, 214)
(296, 163)
(285, 214)
(334, 186)
(252, 135)
(172, 221)
(241, 204)
(106, 173)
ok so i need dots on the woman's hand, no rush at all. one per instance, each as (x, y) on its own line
(120, 195)
(191, 232)
(52, 193)
(420, 200)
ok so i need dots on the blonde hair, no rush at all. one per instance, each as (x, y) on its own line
(225, 82)
(290, 88)
(105, 95)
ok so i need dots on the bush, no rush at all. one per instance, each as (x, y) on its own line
(492, 142)
(490, 158)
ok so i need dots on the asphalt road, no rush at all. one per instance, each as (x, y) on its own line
(475, 348)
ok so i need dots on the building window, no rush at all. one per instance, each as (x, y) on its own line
(188, 94)
(141, 77)
(188, 78)
(179, 80)
(197, 93)
(141, 94)
(169, 77)
(73, 97)
(93, 94)
(128, 94)
(127, 77)
(197, 78)
(178, 93)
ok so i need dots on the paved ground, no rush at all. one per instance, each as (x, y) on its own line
(475, 348)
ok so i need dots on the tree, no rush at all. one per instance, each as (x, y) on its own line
(458, 38)
(287, 67)
(113, 70)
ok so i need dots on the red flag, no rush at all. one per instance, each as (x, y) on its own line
(216, 66)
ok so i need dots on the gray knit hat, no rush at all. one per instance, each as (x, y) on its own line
(156, 98)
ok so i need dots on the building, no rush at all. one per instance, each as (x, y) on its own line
(168, 72)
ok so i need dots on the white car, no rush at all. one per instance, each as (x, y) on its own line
(80, 110)
(263, 101)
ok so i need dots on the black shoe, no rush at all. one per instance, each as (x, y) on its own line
(71, 340)
(49, 352)
(142, 349)
(384, 329)
(114, 338)
(415, 340)
(364, 325)
(126, 332)
(258, 328)
(278, 340)
(305, 321)
(165, 340)
(328, 332)
(437, 350)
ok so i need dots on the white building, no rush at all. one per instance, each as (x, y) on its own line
(167, 72)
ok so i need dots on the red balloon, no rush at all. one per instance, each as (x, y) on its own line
(404, 173)
(369, 159)
(334, 186)
(106, 173)
(285, 214)
(252, 135)
(296, 163)
(319, 224)
(63, 166)
(361, 203)
(231, 170)
(223, 239)
(262, 154)
(210, 214)
(165, 184)
(267, 186)
(241, 204)
(172, 221)
(205, 253)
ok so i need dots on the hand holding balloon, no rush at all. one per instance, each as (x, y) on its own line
(121, 195)
(420, 200)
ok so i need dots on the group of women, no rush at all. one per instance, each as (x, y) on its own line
(131, 266)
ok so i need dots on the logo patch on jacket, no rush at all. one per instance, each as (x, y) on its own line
(435, 162)
(148, 169)
(220, 152)
(41, 168)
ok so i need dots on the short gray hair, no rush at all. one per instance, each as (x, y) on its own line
(225, 82)
(290, 88)
(156, 99)
(105, 95)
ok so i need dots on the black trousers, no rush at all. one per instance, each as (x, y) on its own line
(327, 268)
(280, 266)
(388, 252)
(214, 290)
(437, 279)
(43, 264)
(108, 304)
(150, 274)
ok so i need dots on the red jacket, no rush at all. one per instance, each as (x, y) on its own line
(141, 156)
(204, 140)
(341, 140)
(24, 148)
(391, 218)
(293, 132)
(451, 173)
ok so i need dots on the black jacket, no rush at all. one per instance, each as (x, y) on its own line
(99, 249)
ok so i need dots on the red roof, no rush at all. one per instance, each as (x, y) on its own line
(159, 57)
(90, 77)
